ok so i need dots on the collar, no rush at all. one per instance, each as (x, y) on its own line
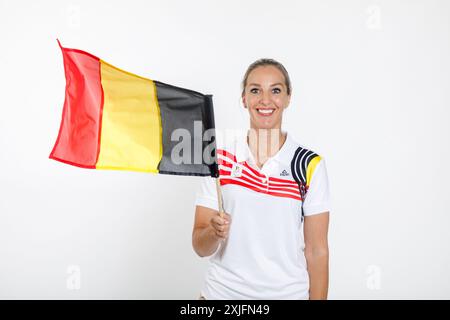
(284, 155)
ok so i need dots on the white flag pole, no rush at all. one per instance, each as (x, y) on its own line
(219, 197)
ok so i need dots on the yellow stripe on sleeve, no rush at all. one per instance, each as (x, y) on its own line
(311, 169)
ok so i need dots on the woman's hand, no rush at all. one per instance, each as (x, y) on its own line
(209, 230)
(221, 226)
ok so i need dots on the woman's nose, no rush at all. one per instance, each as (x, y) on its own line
(265, 98)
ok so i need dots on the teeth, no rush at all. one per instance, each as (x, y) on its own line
(266, 111)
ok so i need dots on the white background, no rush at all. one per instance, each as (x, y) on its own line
(371, 94)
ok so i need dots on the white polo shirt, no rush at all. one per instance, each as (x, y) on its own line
(263, 256)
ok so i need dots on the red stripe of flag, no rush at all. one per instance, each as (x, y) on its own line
(78, 139)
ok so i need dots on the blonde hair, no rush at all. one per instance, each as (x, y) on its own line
(267, 62)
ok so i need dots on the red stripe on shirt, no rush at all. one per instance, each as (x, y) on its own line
(274, 181)
(252, 187)
(227, 154)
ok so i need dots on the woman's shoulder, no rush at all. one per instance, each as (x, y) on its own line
(305, 161)
(300, 149)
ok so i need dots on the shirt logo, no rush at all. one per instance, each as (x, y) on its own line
(284, 173)
(236, 171)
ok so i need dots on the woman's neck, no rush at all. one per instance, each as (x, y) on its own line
(265, 143)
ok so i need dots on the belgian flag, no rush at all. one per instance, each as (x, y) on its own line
(113, 119)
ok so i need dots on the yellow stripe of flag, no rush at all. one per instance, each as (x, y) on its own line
(131, 122)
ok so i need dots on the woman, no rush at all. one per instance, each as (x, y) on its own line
(271, 242)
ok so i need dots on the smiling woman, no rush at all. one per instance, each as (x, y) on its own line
(271, 242)
(266, 92)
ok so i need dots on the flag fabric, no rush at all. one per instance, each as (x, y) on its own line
(113, 119)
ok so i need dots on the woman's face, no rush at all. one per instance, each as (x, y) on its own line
(266, 97)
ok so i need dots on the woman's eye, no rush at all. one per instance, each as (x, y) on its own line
(254, 90)
(276, 90)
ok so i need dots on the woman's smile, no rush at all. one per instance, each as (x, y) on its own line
(265, 112)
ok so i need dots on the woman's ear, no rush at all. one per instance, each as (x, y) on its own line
(289, 100)
(243, 102)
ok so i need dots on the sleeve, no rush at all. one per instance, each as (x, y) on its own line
(207, 194)
(317, 199)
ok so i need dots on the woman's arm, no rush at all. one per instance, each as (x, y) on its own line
(316, 253)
